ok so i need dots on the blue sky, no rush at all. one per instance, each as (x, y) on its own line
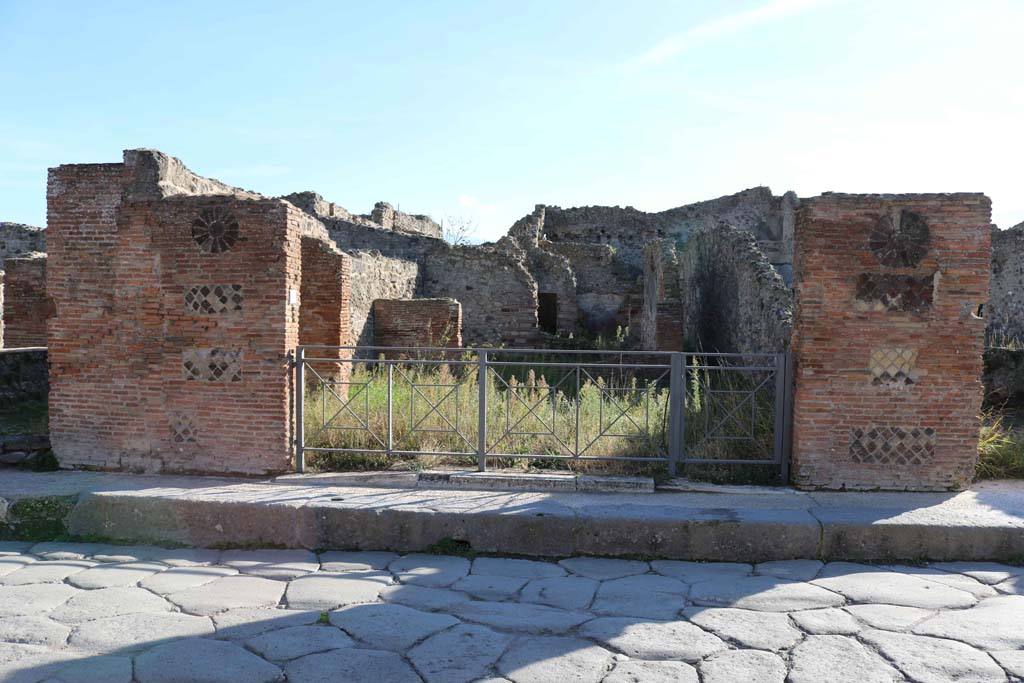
(480, 110)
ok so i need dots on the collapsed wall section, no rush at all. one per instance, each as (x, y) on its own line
(24, 303)
(732, 299)
(1005, 309)
(18, 239)
(887, 341)
(417, 323)
(376, 276)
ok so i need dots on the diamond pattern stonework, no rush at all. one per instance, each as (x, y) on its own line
(213, 299)
(893, 367)
(892, 445)
(212, 365)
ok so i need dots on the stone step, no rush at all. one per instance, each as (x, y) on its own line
(480, 481)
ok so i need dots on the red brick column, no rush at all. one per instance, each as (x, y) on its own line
(417, 322)
(887, 343)
(324, 314)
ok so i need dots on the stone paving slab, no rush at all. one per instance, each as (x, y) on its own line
(983, 523)
(758, 627)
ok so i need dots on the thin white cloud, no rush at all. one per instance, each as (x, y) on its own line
(717, 28)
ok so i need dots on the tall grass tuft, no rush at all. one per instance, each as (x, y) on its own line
(1000, 450)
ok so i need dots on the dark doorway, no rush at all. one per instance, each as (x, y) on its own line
(547, 312)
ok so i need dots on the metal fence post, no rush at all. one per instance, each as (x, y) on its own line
(787, 417)
(300, 410)
(481, 380)
(676, 410)
(391, 431)
(781, 393)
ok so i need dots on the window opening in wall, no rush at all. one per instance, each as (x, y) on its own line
(547, 312)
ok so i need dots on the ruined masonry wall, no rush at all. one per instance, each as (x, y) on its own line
(497, 293)
(17, 239)
(375, 276)
(661, 318)
(418, 322)
(25, 306)
(887, 345)
(23, 375)
(1005, 310)
(733, 300)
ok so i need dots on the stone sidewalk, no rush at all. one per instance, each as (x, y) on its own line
(727, 524)
(80, 613)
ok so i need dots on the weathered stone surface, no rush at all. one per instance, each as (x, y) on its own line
(436, 571)
(111, 575)
(986, 572)
(298, 641)
(889, 617)
(1012, 586)
(793, 570)
(758, 630)
(59, 550)
(958, 581)
(109, 602)
(389, 627)
(228, 593)
(54, 571)
(187, 557)
(14, 547)
(695, 572)
(830, 621)
(838, 659)
(511, 616)
(33, 599)
(181, 578)
(603, 569)
(328, 591)
(246, 622)
(458, 655)
(749, 666)
(862, 583)
(1011, 660)
(203, 661)
(639, 671)
(347, 561)
(351, 665)
(649, 639)
(272, 564)
(423, 598)
(137, 631)
(567, 592)
(763, 593)
(524, 569)
(542, 660)
(490, 587)
(934, 660)
(646, 595)
(11, 563)
(33, 631)
(993, 624)
(94, 669)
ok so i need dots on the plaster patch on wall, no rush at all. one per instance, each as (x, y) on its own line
(212, 365)
(892, 445)
(214, 299)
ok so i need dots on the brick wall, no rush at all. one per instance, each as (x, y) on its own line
(25, 306)
(887, 346)
(324, 317)
(175, 315)
(376, 276)
(661, 317)
(417, 322)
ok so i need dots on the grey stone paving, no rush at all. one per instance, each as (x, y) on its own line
(136, 614)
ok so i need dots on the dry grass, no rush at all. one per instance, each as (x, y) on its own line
(1000, 450)
(532, 411)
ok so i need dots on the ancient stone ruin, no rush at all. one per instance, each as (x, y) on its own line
(173, 303)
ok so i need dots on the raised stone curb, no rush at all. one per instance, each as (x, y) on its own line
(986, 523)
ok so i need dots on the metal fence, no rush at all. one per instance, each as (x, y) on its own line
(669, 408)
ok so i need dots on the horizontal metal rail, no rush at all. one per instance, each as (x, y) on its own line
(671, 408)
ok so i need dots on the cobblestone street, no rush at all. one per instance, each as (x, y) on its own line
(78, 613)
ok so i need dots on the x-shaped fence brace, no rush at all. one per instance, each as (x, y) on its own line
(748, 399)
